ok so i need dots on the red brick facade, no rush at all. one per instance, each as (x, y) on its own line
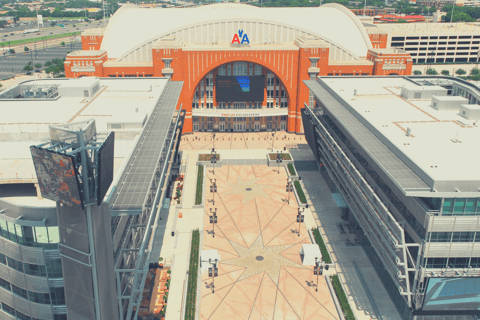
(306, 59)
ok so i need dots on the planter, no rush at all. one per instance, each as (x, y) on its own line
(204, 160)
(300, 203)
(288, 168)
(200, 187)
(273, 162)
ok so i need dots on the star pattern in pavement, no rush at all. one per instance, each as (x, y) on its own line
(249, 189)
(259, 258)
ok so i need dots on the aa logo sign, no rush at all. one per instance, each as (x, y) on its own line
(240, 35)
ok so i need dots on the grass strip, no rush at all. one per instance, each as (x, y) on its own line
(192, 277)
(50, 37)
(342, 298)
(198, 194)
(321, 244)
(283, 156)
(300, 193)
(291, 169)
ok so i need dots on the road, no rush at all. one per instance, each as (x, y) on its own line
(14, 64)
(6, 35)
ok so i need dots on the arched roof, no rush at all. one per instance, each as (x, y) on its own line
(132, 26)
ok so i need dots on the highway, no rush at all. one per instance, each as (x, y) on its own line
(47, 30)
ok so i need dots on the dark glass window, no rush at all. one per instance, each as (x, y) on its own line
(58, 296)
(22, 316)
(19, 291)
(54, 268)
(3, 259)
(34, 269)
(38, 297)
(15, 264)
(5, 284)
(60, 317)
(8, 309)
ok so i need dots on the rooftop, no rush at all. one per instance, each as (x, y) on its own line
(442, 146)
(429, 28)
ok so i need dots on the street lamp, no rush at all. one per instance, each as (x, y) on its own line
(279, 159)
(273, 137)
(213, 160)
(317, 270)
(213, 138)
(213, 219)
(300, 219)
(213, 188)
(432, 56)
(213, 272)
(289, 188)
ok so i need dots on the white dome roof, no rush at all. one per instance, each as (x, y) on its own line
(132, 26)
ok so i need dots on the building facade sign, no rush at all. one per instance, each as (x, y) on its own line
(238, 36)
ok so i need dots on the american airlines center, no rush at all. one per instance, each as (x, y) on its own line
(242, 66)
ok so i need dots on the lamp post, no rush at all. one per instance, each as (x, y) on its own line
(300, 219)
(213, 188)
(213, 138)
(279, 160)
(213, 160)
(432, 56)
(317, 270)
(478, 56)
(213, 272)
(273, 137)
(289, 188)
(213, 219)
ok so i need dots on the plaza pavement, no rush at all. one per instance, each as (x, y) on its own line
(262, 223)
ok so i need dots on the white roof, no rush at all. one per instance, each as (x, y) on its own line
(132, 26)
(443, 149)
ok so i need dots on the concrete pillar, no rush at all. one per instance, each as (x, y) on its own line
(39, 193)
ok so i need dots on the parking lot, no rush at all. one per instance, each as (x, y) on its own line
(13, 64)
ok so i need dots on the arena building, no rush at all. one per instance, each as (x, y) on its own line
(242, 66)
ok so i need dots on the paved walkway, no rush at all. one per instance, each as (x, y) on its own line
(328, 215)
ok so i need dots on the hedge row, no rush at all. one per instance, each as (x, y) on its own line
(192, 277)
(284, 156)
(300, 193)
(198, 195)
(321, 244)
(342, 298)
(291, 169)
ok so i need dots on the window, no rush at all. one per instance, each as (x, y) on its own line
(229, 69)
(258, 70)
(283, 118)
(59, 317)
(5, 284)
(240, 68)
(15, 264)
(222, 70)
(250, 68)
(8, 309)
(54, 268)
(195, 119)
(313, 63)
(3, 259)
(22, 316)
(167, 64)
(19, 291)
(459, 205)
(447, 206)
(58, 296)
(34, 269)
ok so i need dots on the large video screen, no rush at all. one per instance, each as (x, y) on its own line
(452, 294)
(57, 176)
(240, 88)
(105, 167)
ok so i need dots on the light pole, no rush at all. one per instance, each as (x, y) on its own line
(279, 160)
(317, 270)
(478, 56)
(273, 137)
(213, 138)
(213, 160)
(289, 188)
(213, 219)
(213, 272)
(213, 188)
(300, 219)
(432, 56)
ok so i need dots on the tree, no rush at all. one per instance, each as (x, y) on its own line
(474, 72)
(445, 72)
(402, 21)
(38, 65)
(432, 9)
(417, 72)
(475, 77)
(48, 64)
(12, 51)
(431, 72)
(62, 43)
(26, 49)
(460, 72)
(53, 23)
(28, 68)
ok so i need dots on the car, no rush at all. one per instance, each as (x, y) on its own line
(12, 34)
(51, 32)
(4, 35)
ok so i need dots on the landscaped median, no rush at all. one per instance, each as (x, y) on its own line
(38, 39)
(300, 193)
(198, 194)
(321, 244)
(342, 298)
(192, 277)
(291, 169)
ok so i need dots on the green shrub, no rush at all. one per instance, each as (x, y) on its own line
(321, 244)
(198, 195)
(192, 277)
(342, 298)
(291, 169)
(300, 193)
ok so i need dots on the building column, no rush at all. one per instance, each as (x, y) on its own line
(39, 193)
